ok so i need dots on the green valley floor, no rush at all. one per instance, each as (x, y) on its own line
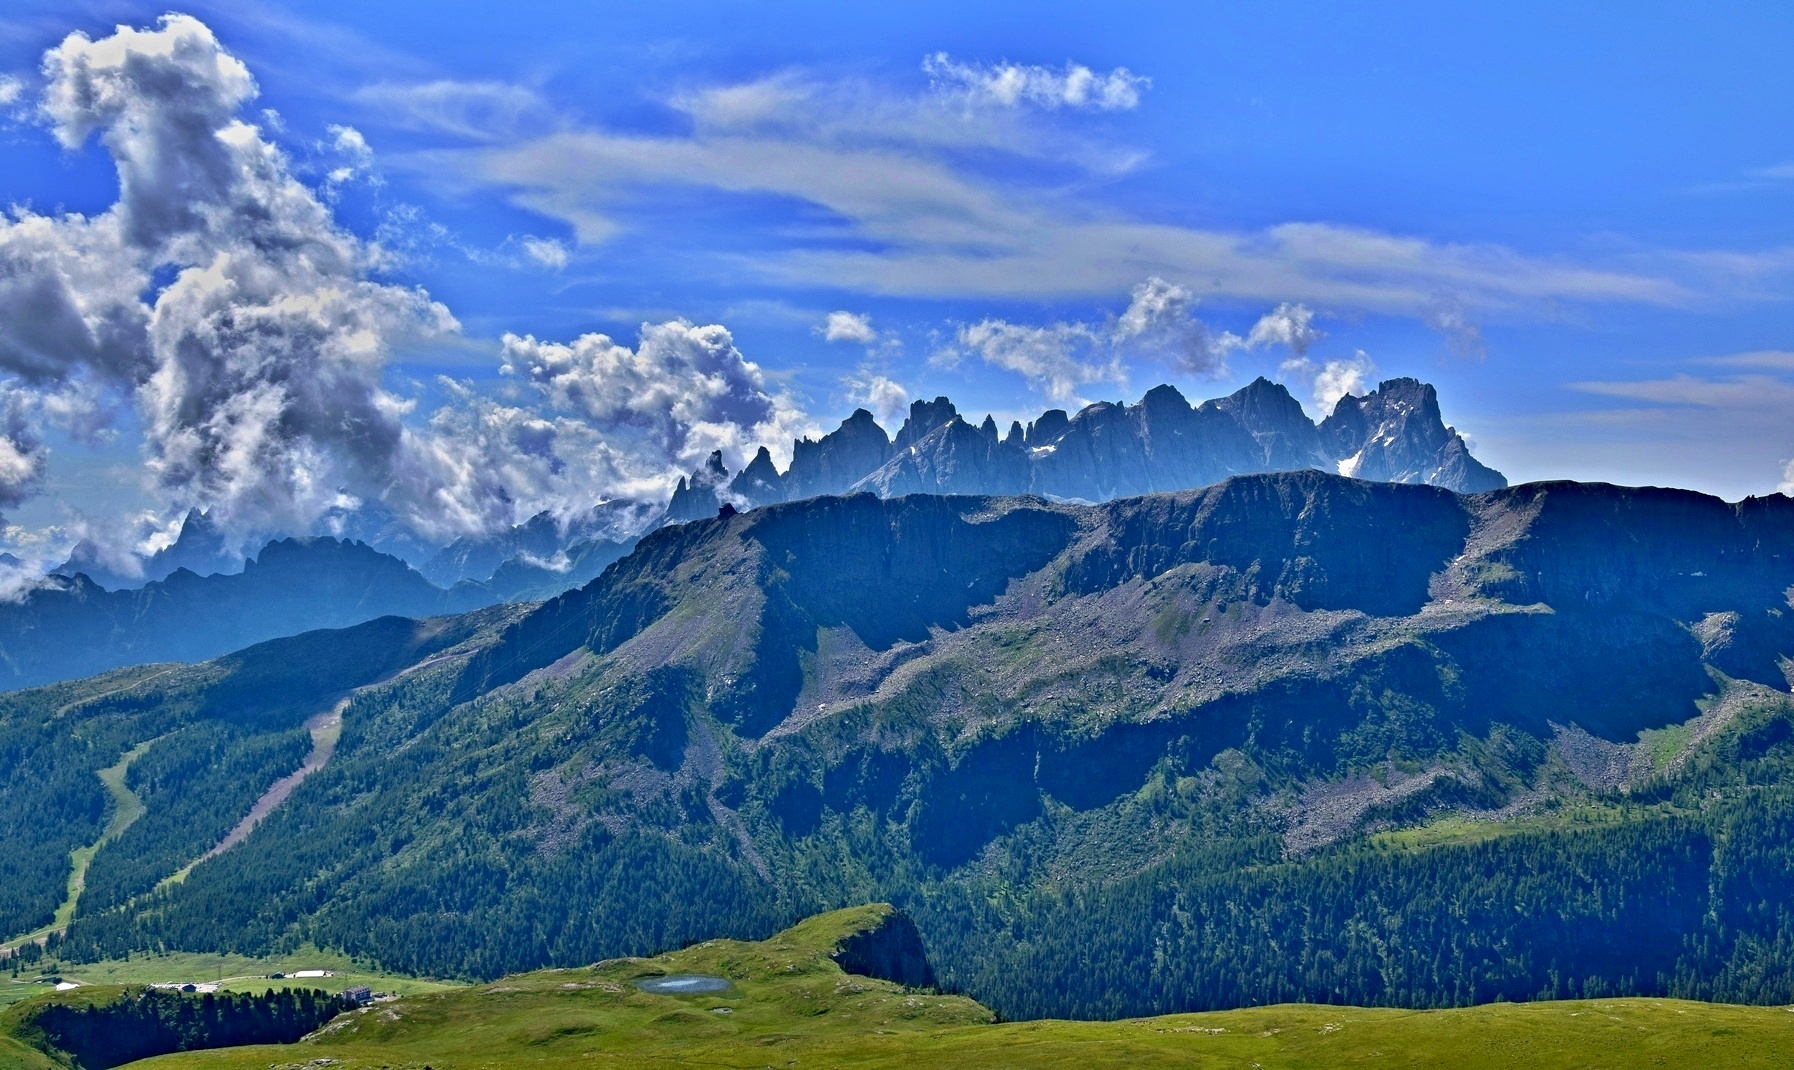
(786, 1003)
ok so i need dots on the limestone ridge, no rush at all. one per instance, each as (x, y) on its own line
(1107, 450)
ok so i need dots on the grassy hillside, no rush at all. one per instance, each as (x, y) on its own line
(788, 1004)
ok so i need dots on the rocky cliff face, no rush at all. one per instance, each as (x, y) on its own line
(1107, 450)
(836, 462)
(890, 950)
(1395, 434)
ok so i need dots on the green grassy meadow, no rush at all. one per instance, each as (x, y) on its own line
(790, 1005)
(234, 973)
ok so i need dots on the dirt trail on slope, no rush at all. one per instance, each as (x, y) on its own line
(84, 700)
(325, 728)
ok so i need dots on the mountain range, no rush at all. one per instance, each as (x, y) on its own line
(1292, 737)
(196, 600)
(1394, 434)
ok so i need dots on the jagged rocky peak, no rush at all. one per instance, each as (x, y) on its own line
(1392, 405)
(925, 416)
(760, 482)
(1396, 434)
(1047, 429)
(200, 547)
(1110, 450)
(838, 460)
(1166, 398)
(954, 458)
(696, 498)
(1264, 407)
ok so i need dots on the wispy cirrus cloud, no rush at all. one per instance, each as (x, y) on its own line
(1734, 394)
(1732, 432)
(1782, 359)
(951, 191)
(937, 232)
(1781, 172)
(475, 111)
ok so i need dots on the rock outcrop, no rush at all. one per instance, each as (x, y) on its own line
(890, 950)
(698, 497)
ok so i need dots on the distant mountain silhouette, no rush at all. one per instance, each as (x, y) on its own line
(71, 627)
(1105, 451)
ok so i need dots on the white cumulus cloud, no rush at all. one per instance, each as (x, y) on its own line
(1056, 359)
(682, 391)
(848, 327)
(257, 370)
(1288, 325)
(220, 298)
(597, 421)
(1330, 380)
(547, 252)
(1158, 325)
(884, 397)
(1013, 84)
(354, 158)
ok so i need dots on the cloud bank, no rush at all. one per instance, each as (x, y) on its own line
(251, 333)
(217, 294)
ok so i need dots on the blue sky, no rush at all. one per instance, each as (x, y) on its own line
(1574, 219)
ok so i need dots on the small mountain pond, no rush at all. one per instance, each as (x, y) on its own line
(683, 984)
